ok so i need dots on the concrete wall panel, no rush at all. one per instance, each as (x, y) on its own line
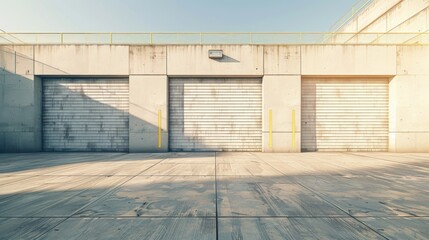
(282, 59)
(413, 60)
(374, 11)
(281, 94)
(416, 23)
(20, 124)
(193, 60)
(404, 11)
(412, 142)
(148, 60)
(348, 60)
(148, 94)
(409, 113)
(82, 60)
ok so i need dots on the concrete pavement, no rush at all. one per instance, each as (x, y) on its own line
(214, 196)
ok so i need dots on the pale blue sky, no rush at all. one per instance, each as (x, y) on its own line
(171, 15)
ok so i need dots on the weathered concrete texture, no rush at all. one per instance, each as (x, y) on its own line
(409, 111)
(390, 16)
(282, 60)
(193, 60)
(282, 95)
(148, 60)
(348, 60)
(135, 228)
(293, 228)
(175, 196)
(20, 101)
(17, 59)
(26, 228)
(154, 196)
(148, 96)
(400, 228)
(53, 196)
(277, 196)
(369, 15)
(412, 60)
(82, 60)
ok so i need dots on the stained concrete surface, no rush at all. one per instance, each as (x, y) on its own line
(214, 196)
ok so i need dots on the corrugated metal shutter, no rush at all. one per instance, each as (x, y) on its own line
(215, 114)
(88, 114)
(345, 114)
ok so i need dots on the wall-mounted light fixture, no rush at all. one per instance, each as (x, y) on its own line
(216, 54)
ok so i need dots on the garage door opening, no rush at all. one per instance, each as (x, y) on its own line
(85, 114)
(348, 114)
(215, 114)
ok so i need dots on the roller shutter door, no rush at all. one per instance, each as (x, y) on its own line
(88, 114)
(215, 114)
(345, 114)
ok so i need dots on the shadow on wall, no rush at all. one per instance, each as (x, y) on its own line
(20, 100)
(308, 118)
(77, 114)
(85, 114)
(226, 58)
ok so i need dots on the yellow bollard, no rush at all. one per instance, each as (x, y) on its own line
(293, 128)
(271, 129)
(159, 129)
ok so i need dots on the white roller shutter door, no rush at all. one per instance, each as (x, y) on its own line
(346, 114)
(88, 114)
(215, 114)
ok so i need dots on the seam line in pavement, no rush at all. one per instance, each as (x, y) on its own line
(213, 217)
(351, 216)
(383, 159)
(95, 200)
(326, 200)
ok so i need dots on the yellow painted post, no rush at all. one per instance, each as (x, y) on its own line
(201, 38)
(270, 144)
(293, 128)
(111, 38)
(62, 37)
(150, 38)
(159, 129)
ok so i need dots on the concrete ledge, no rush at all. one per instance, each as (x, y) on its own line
(282, 60)
(193, 60)
(348, 60)
(148, 60)
(412, 60)
(82, 60)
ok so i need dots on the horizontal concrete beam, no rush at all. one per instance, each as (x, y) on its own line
(193, 60)
(81, 60)
(348, 60)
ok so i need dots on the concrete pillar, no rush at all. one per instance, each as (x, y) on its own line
(20, 101)
(408, 101)
(282, 95)
(148, 98)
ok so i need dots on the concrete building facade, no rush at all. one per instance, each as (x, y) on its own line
(337, 96)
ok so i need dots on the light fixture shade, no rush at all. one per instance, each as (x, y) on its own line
(215, 54)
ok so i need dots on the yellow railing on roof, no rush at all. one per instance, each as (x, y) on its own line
(350, 14)
(258, 38)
